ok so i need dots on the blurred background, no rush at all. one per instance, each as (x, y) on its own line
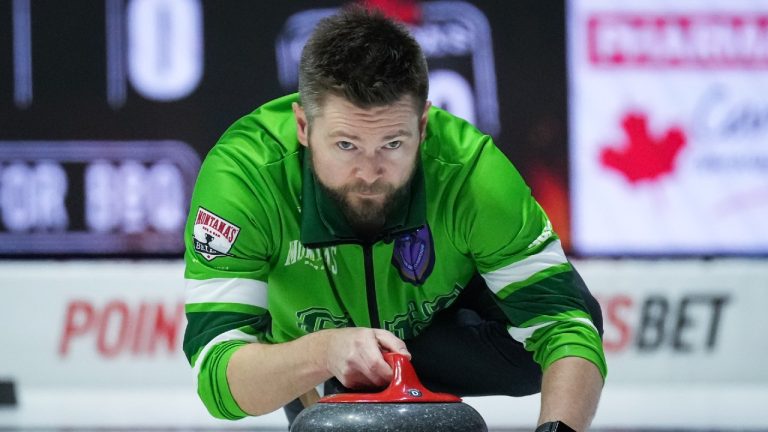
(641, 127)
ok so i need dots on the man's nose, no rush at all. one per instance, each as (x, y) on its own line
(369, 169)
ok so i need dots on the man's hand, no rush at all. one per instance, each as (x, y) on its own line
(354, 356)
(264, 377)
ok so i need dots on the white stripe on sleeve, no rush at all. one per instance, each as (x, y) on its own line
(222, 290)
(226, 336)
(521, 334)
(550, 256)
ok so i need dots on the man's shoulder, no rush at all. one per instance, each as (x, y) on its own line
(264, 136)
(451, 139)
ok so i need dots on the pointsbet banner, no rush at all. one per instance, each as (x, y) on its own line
(682, 321)
(669, 126)
(120, 325)
(86, 324)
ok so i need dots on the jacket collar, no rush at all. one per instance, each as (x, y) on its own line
(324, 224)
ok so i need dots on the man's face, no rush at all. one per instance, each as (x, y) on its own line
(364, 157)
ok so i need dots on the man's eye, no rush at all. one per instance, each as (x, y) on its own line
(393, 145)
(345, 145)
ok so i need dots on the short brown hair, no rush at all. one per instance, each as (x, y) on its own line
(363, 56)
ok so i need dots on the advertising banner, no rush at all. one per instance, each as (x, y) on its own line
(121, 324)
(682, 321)
(99, 344)
(79, 324)
(668, 106)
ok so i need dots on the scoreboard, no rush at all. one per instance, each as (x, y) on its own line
(96, 148)
(106, 110)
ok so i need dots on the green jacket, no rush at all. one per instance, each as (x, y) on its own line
(270, 259)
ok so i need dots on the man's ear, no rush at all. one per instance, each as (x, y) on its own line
(302, 125)
(423, 121)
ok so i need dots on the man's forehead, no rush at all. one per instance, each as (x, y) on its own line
(333, 103)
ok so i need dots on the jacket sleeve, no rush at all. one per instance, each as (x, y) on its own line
(522, 261)
(229, 246)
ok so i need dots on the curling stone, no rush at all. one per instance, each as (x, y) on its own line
(404, 406)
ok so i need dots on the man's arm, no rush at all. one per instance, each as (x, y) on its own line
(570, 391)
(263, 378)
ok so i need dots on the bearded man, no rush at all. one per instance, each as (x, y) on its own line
(352, 219)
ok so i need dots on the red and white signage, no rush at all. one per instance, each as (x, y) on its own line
(121, 325)
(682, 321)
(97, 344)
(81, 324)
(669, 126)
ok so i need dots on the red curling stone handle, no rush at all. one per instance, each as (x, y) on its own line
(404, 388)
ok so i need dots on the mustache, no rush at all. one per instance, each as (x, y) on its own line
(376, 187)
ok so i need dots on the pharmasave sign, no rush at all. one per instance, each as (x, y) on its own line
(456, 39)
(669, 127)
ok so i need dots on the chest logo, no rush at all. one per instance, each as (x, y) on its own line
(414, 255)
(213, 235)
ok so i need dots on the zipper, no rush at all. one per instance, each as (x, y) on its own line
(370, 285)
(334, 289)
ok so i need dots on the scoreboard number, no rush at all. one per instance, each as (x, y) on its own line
(156, 45)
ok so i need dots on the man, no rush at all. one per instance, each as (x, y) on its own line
(328, 227)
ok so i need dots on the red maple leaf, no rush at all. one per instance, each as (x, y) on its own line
(644, 157)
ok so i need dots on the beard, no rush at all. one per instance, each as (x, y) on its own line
(366, 216)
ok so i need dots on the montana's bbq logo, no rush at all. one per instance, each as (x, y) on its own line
(213, 235)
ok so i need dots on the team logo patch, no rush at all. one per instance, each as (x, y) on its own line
(414, 256)
(213, 235)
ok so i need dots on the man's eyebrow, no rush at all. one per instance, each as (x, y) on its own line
(342, 134)
(401, 133)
